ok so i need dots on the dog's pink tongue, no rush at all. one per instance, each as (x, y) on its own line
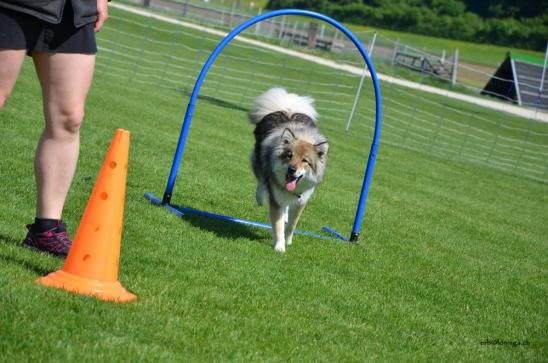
(290, 186)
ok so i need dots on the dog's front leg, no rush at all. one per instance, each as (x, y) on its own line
(294, 215)
(277, 220)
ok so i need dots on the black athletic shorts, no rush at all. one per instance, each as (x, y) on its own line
(23, 31)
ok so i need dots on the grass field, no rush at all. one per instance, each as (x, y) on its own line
(452, 257)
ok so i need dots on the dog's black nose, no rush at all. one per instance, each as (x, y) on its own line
(291, 169)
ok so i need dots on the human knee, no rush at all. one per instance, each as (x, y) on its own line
(68, 121)
(74, 121)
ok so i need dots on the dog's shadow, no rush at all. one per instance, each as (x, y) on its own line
(36, 268)
(227, 229)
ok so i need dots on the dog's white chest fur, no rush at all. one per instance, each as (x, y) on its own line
(286, 199)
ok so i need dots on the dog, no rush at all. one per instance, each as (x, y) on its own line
(288, 160)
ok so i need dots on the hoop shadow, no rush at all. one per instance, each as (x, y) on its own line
(226, 229)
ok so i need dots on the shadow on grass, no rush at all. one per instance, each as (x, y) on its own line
(225, 229)
(222, 103)
(9, 240)
(20, 261)
(215, 101)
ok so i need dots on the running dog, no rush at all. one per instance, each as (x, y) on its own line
(288, 160)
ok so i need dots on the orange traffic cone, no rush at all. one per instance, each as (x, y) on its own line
(91, 267)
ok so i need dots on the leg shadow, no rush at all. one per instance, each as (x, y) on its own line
(36, 268)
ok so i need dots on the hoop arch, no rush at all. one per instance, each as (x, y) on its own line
(360, 210)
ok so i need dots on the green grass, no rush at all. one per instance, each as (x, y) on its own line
(452, 253)
(158, 55)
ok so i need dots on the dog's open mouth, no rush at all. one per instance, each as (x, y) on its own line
(291, 182)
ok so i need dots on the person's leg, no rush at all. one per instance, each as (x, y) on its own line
(65, 80)
(11, 61)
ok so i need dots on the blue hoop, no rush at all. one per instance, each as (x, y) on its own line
(360, 211)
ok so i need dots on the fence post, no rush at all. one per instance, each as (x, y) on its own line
(455, 67)
(356, 98)
(142, 50)
(372, 45)
(271, 25)
(222, 22)
(184, 9)
(537, 106)
(423, 69)
(541, 86)
(294, 31)
(312, 35)
(282, 26)
(232, 14)
(396, 46)
(170, 56)
(258, 25)
(334, 40)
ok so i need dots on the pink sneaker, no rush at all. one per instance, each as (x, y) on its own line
(54, 241)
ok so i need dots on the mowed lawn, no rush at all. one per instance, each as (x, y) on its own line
(451, 264)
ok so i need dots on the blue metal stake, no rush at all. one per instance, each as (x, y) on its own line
(190, 109)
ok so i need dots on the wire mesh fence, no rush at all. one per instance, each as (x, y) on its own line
(444, 69)
(142, 50)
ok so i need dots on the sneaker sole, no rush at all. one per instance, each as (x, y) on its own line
(30, 247)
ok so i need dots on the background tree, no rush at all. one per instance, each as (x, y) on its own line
(516, 23)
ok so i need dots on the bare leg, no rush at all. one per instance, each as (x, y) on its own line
(11, 62)
(65, 81)
(277, 220)
(294, 216)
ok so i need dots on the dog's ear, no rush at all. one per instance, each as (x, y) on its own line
(288, 136)
(321, 149)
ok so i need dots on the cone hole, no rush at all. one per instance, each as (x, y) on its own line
(86, 258)
(112, 164)
(96, 228)
(104, 195)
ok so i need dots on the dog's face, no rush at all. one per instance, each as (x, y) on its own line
(299, 162)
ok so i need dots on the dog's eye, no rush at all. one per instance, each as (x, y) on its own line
(306, 161)
(289, 155)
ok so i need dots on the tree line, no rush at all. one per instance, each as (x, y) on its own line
(515, 23)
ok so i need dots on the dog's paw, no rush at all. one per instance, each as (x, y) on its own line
(279, 247)
(289, 240)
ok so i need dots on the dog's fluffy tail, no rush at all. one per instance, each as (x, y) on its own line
(277, 99)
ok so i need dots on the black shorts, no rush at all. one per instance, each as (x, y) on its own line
(23, 31)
